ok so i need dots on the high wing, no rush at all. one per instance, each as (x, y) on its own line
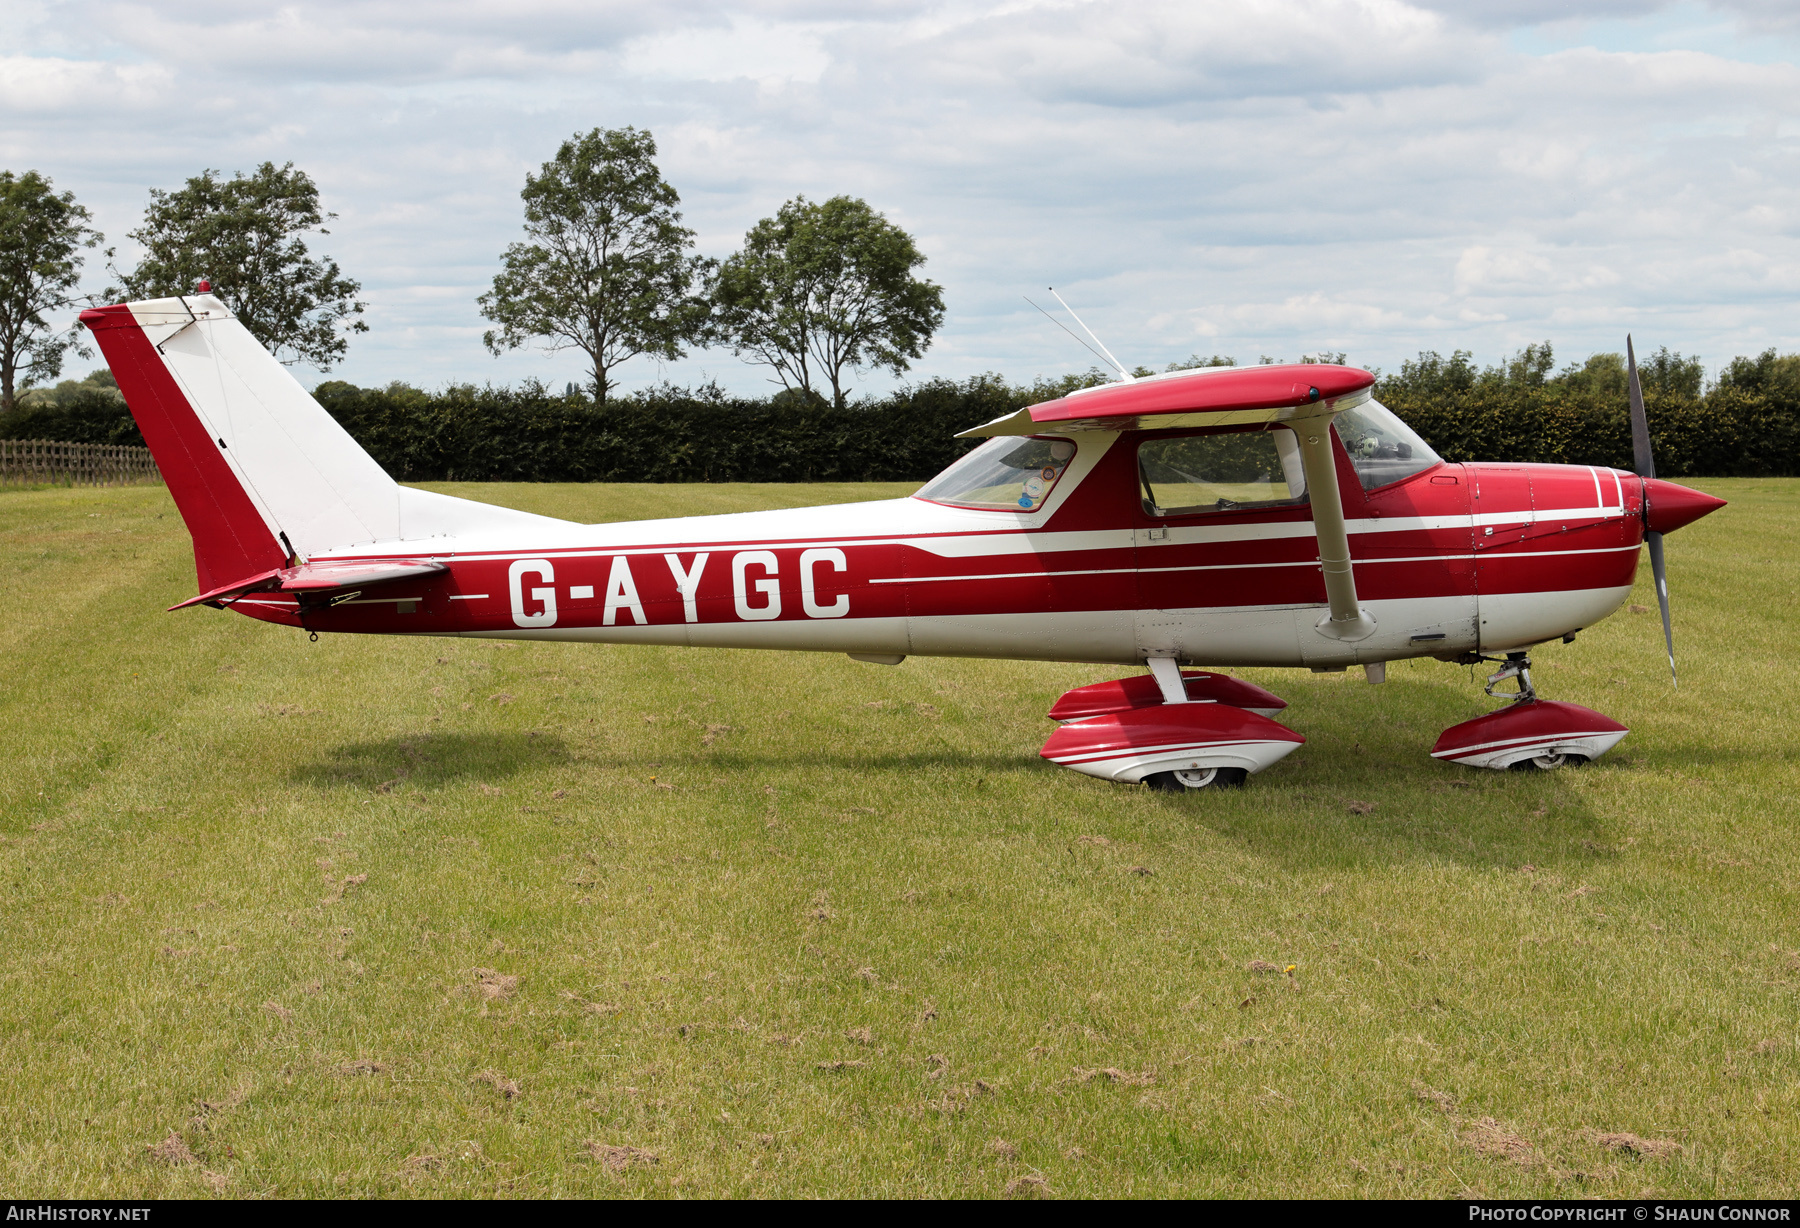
(1201, 397)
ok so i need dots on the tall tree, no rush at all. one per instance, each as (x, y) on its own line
(244, 234)
(41, 238)
(821, 290)
(607, 267)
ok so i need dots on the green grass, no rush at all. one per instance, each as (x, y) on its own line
(252, 886)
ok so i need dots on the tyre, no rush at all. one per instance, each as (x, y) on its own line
(1197, 778)
(1549, 762)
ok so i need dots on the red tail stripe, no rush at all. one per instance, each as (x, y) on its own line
(231, 540)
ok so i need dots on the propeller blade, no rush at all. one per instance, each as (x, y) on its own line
(1646, 468)
(1640, 425)
(1659, 572)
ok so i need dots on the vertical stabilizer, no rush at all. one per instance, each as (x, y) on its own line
(260, 472)
(232, 537)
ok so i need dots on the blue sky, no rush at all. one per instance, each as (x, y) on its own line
(1259, 177)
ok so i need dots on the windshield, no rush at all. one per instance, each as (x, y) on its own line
(1381, 447)
(1004, 474)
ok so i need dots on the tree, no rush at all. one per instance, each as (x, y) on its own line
(820, 288)
(1530, 367)
(243, 234)
(606, 268)
(1766, 373)
(1193, 362)
(41, 237)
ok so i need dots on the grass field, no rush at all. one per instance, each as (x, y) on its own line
(442, 917)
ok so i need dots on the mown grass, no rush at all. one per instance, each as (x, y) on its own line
(796, 925)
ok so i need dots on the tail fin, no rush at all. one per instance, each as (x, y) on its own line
(260, 472)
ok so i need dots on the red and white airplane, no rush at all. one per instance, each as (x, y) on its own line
(1255, 516)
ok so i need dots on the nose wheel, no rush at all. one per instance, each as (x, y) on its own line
(1527, 734)
(1549, 763)
(1517, 669)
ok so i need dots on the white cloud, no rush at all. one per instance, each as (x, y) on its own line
(744, 50)
(1166, 52)
(1763, 16)
(40, 85)
(1491, 271)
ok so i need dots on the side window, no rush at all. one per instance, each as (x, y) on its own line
(1191, 474)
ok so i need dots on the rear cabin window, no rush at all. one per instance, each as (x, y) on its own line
(1382, 448)
(1008, 474)
(1192, 474)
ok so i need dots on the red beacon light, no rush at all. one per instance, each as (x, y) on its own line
(203, 286)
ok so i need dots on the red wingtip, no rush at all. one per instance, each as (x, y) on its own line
(1669, 506)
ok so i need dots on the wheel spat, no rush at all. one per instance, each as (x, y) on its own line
(1646, 468)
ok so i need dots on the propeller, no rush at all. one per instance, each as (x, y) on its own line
(1646, 468)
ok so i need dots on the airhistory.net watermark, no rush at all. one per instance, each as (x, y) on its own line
(58, 1213)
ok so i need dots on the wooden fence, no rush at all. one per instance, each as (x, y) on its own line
(41, 462)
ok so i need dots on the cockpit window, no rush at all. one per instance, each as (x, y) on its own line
(1381, 447)
(1007, 474)
(1191, 474)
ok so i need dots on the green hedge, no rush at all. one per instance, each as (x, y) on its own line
(666, 435)
(84, 415)
(1745, 424)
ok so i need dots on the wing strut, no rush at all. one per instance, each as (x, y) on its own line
(1347, 619)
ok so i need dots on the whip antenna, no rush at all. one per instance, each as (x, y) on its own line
(1078, 341)
(1123, 373)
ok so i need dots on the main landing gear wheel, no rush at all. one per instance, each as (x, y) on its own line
(1188, 780)
(1549, 763)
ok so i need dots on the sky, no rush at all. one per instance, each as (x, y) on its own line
(1241, 177)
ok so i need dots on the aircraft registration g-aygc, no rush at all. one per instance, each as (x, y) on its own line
(1260, 516)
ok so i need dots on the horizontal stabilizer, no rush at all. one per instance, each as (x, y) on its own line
(261, 582)
(321, 577)
(325, 576)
